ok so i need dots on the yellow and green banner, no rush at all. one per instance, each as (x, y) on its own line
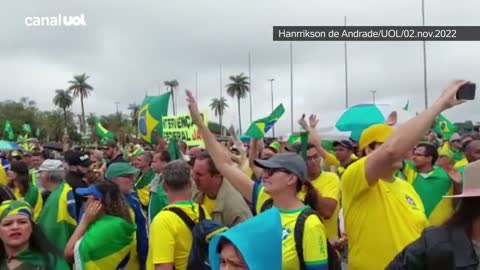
(181, 128)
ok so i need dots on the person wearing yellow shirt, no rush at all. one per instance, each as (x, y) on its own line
(22, 188)
(454, 144)
(284, 176)
(170, 238)
(384, 214)
(445, 159)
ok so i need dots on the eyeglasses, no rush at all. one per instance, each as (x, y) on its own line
(313, 158)
(419, 154)
(272, 171)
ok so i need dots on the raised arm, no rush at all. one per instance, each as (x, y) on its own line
(222, 161)
(256, 145)
(236, 141)
(382, 162)
(313, 136)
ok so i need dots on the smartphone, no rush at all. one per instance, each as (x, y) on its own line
(466, 92)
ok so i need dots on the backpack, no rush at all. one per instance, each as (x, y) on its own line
(333, 258)
(202, 232)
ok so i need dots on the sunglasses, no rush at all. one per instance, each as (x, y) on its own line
(272, 171)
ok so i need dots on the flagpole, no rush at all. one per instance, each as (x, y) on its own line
(424, 59)
(271, 92)
(221, 95)
(250, 84)
(291, 88)
(346, 68)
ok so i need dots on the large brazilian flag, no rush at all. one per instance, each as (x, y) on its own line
(150, 116)
(106, 244)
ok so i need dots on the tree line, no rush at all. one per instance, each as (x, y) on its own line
(52, 123)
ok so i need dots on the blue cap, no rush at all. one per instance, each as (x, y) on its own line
(266, 229)
(91, 190)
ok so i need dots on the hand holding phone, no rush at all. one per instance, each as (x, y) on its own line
(466, 91)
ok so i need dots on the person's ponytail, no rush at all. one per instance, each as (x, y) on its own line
(311, 196)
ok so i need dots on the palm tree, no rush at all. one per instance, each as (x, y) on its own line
(63, 100)
(82, 89)
(218, 107)
(135, 109)
(27, 102)
(173, 84)
(239, 87)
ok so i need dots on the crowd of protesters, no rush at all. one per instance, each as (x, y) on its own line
(401, 197)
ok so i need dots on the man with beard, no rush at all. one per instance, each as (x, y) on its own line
(78, 166)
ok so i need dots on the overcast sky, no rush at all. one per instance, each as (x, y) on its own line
(130, 48)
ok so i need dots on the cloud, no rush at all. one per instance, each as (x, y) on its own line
(130, 48)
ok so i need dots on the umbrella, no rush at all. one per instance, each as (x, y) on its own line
(5, 145)
(359, 117)
(53, 145)
(244, 138)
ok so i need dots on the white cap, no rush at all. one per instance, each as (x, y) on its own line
(51, 165)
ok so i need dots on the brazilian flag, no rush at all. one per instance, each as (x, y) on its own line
(9, 131)
(444, 127)
(106, 245)
(102, 132)
(150, 116)
(261, 126)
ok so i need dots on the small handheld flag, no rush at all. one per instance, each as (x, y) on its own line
(261, 126)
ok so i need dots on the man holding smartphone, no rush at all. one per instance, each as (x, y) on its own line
(383, 214)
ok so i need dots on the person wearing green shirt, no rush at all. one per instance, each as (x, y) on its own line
(23, 245)
(431, 183)
(158, 197)
(143, 162)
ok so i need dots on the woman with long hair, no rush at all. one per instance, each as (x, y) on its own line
(19, 182)
(106, 226)
(455, 244)
(24, 246)
(304, 244)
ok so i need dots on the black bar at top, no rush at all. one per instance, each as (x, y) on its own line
(376, 33)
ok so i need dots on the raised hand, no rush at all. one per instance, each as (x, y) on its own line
(455, 176)
(303, 123)
(193, 108)
(93, 211)
(448, 98)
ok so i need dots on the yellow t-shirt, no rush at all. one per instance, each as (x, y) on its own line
(170, 239)
(328, 185)
(380, 220)
(314, 241)
(331, 160)
(208, 203)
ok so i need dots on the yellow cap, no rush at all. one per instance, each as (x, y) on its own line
(443, 152)
(376, 133)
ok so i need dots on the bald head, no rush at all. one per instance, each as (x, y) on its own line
(472, 151)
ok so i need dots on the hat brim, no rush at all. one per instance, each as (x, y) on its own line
(267, 164)
(91, 190)
(339, 143)
(465, 194)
